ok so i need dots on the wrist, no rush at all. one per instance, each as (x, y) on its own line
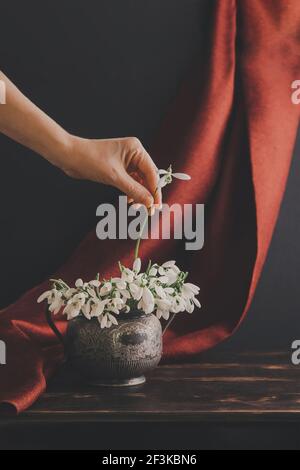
(60, 152)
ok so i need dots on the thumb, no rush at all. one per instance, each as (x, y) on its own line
(134, 190)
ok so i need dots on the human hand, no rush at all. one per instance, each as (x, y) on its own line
(122, 163)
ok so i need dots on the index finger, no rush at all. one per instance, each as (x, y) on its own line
(149, 172)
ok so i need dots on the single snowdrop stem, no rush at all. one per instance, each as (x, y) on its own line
(138, 242)
(172, 318)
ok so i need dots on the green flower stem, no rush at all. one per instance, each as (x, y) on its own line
(137, 246)
(169, 323)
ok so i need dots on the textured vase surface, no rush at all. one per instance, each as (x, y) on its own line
(119, 355)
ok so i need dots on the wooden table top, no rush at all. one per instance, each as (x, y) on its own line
(244, 387)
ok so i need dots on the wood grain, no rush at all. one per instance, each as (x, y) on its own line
(247, 387)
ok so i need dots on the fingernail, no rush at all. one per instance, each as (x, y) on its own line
(137, 206)
(152, 210)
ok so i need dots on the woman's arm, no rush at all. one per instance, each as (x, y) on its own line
(116, 162)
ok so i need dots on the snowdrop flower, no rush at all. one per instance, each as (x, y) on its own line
(163, 309)
(54, 298)
(168, 175)
(153, 272)
(190, 307)
(121, 285)
(94, 308)
(74, 305)
(190, 290)
(136, 291)
(146, 304)
(169, 264)
(95, 283)
(79, 283)
(137, 265)
(161, 290)
(127, 275)
(105, 289)
(106, 320)
(124, 295)
(69, 293)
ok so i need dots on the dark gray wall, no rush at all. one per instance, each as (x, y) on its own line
(107, 68)
(274, 317)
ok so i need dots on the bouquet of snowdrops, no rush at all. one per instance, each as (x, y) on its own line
(161, 289)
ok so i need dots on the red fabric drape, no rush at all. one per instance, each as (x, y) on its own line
(233, 129)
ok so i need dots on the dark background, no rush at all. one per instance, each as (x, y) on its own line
(110, 68)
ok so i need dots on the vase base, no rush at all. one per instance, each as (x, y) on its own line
(120, 382)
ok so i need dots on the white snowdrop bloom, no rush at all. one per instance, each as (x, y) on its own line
(118, 282)
(106, 320)
(117, 303)
(153, 272)
(136, 291)
(137, 265)
(160, 291)
(98, 307)
(152, 282)
(124, 295)
(54, 298)
(79, 283)
(112, 309)
(190, 290)
(163, 304)
(161, 271)
(46, 295)
(172, 276)
(105, 289)
(196, 302)
(190, 307)
(91, 291)
(169, 264)
(146, 304)
(74, 305)
(175, 308)
(139, 278)
(86, 309)
(178, 305)
(121, 285)
(165, 314)
(169, 290)
(127, 275)
(112, 319)
(69, 293)
(164, 279)
(95, 283)
(175, 269)
(166, 177)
